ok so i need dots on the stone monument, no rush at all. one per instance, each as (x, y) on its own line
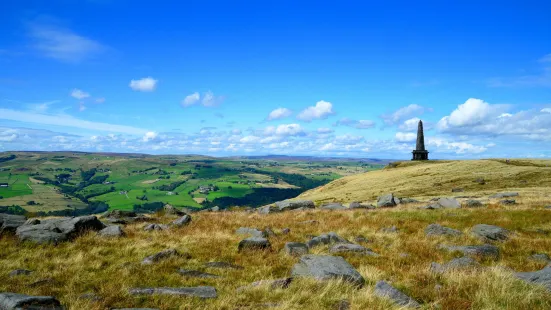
(420, 153)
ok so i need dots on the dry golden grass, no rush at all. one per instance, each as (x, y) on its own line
(422, 179)
(109, 267)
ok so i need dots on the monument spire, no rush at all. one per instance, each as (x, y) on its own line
(420, 153)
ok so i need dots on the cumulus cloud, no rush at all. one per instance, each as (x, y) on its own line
(472, 115)
(455, 147)
(405, 136)
(149, 136)
(79, 94)
(207, 100)
(402, 114)
(147, 84)
(279, 113)
(321, 110)
(546, 110)
(191, 99)
(358, 124)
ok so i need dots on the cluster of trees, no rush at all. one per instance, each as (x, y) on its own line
(92, 208)
(260, 197)
(7, 158)
(169, 187)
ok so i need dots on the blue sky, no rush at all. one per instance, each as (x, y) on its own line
(346, 78)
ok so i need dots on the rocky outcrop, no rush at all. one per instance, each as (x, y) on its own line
(58, 230)
(541, 277)
(387, 201)
(170, 210)
(439, 230)
(9, 223)
(357, 205)
(13, 301)
(286, 205)
(322, 267)
(155, 227)
(199, 291)
(183, 221)
(332, 206)
(385, 290)
(490, 232)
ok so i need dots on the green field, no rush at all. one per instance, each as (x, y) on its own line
(67, 180)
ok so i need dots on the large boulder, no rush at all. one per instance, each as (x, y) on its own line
(322, 267)
(387, 201)
(10, 223)
(483, 251)
(490, 232)
(112, 231)
(13, 301)
(199, 291)
(541, 277)
(439, 230)
(183, 221)
(296, 248)
(449, 203)
(294, 204)
(332, 206)
(254, 243)
(58, 230)
(385, 290)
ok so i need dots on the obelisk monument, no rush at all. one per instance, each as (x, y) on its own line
(420, 153)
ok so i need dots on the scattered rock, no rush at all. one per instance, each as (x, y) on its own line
(272, 284)
(392, 229)
(480, 181)
(387, 201)
(342, 304)
(322, 267)
(504, 195)
(183, 221)
(385, 290)
(152, 227)
(268, 232)
(455, 264)
(286, 205)
(254, 243)
(170, 210)
(432, 206)
(351, 248)
(296, 248)
(541, 277)
(457, 190)
(449, 203)
(483, 251)
(326, 239)
(13, 301)
(333, 206)
(508, 202)
(490, 232)
(165, 254)
(199, 291)
(472, 203)
(357, 205)
(408, 200)
(90, 296)
(9, 223)
(361, 239)
(285, 231)
(222, 265)
(541, 257)
(58, 229)
(196, 274)
(112, 231)
(19, 272)
(250, 231)
(439, 230)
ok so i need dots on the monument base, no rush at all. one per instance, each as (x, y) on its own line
(420, 155)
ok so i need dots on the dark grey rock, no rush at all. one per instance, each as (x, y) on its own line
(328, 238)
(254, 243)
(182, 221)
(222, 265)
(483, 251)
(333, 206)
(322, 267)
(199, 291)
(386, 201)
(385, 290)
(19, 272)
(165, 254)
(250, 231)
(196, 274)
(504, 195)
(357, 205)
(351, 248)
(480, 181)
(490, 232)
(540, 277)
(13, 301)
(296, 248)
(286, 205)
(472, 203)
(457, 190)
(408, 200)
(508, 202)
(461, 263)
(9, 223)
(439, 230)
(449, 203)
(58, 230)
(112, 231)
(155, 227)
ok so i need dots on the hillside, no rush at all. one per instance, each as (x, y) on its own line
(437, 178)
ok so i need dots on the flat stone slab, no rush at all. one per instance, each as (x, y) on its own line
(13, 301)
(250, 231)
(385, 290)
(439, 230)
(540, 277)
(165, 254)
(449, 203)
(20, 272)
(296, 248)
(196, 274)
(483, 251)
(490, 232)
(351, 248)
(254, 243)
(199, 291)
(332, 206)
(323, 267)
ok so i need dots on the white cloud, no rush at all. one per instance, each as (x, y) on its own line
(289, 130)
(324, 130)
(210, 100)
(147, 84)
(62, 44)
(42, 107)
(8, 138)
(279, 113)
(546, 110)
(250, 139)
(402, 114)
(191, 99)
(455, 147)
(475, 116)
(149, 136)
(79, 94)
(321, 110)
(358, 124)
(81, 106)
(65, 120)
(405, 136)
(410, 124)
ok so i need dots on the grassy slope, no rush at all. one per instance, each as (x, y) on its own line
(434, 178)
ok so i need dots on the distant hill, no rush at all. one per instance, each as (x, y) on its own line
(438, 178)
(315, 158)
